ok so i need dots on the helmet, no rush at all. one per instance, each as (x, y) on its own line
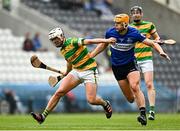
(139, 8)
(122, 18)
(57, 32)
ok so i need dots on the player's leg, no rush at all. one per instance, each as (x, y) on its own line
(120, 73)
(134, 81)
(67, 84)
(147, 70)
(148, 77)
(125, 87)
(90, 81)
(92, 98)
(91, 91)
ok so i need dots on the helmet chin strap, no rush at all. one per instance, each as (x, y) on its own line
(60, 45)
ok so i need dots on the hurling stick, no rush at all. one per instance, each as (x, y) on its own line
(54, 80)
(168, 41)
(37, 63)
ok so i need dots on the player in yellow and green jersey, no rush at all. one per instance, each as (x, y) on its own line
(143, 54)
(80, 69)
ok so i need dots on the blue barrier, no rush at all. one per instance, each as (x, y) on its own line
(39, 93)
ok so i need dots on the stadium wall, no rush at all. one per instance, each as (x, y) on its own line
(28, 20)
(44, 21)
(19, 26)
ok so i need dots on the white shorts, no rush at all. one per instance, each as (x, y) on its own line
(145, 66)
(85, 76)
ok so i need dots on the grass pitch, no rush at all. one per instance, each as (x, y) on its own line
(90, 121)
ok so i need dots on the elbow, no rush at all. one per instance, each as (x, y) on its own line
(152, 45)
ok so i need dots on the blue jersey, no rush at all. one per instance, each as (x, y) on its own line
(122, 52)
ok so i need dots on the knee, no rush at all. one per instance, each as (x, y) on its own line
(135, 87)
(91, 100)
(130, 97)
(130, 100)
(149, 85)
(59, 94)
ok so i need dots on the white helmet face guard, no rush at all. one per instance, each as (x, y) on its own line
(57, 32)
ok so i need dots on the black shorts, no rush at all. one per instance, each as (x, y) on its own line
(121, 72)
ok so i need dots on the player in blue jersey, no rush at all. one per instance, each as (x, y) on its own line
(123, 60)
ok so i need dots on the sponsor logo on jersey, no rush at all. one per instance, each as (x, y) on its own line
(122, 46)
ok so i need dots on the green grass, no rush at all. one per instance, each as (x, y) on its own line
(90, 121)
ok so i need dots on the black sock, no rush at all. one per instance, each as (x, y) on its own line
(142, 110)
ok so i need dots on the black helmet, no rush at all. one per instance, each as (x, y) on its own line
(139, 8)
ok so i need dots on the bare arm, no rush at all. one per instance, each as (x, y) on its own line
(98, 41)
(99, 48)
(156, 36)
(160, 41)
(68, 68)
(157, 47)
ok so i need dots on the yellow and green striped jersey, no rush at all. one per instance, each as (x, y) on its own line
(142, 51)
(77, 54)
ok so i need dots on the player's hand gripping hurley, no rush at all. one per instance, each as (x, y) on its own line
(168, 42)
(54, 80)
(37, 63)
